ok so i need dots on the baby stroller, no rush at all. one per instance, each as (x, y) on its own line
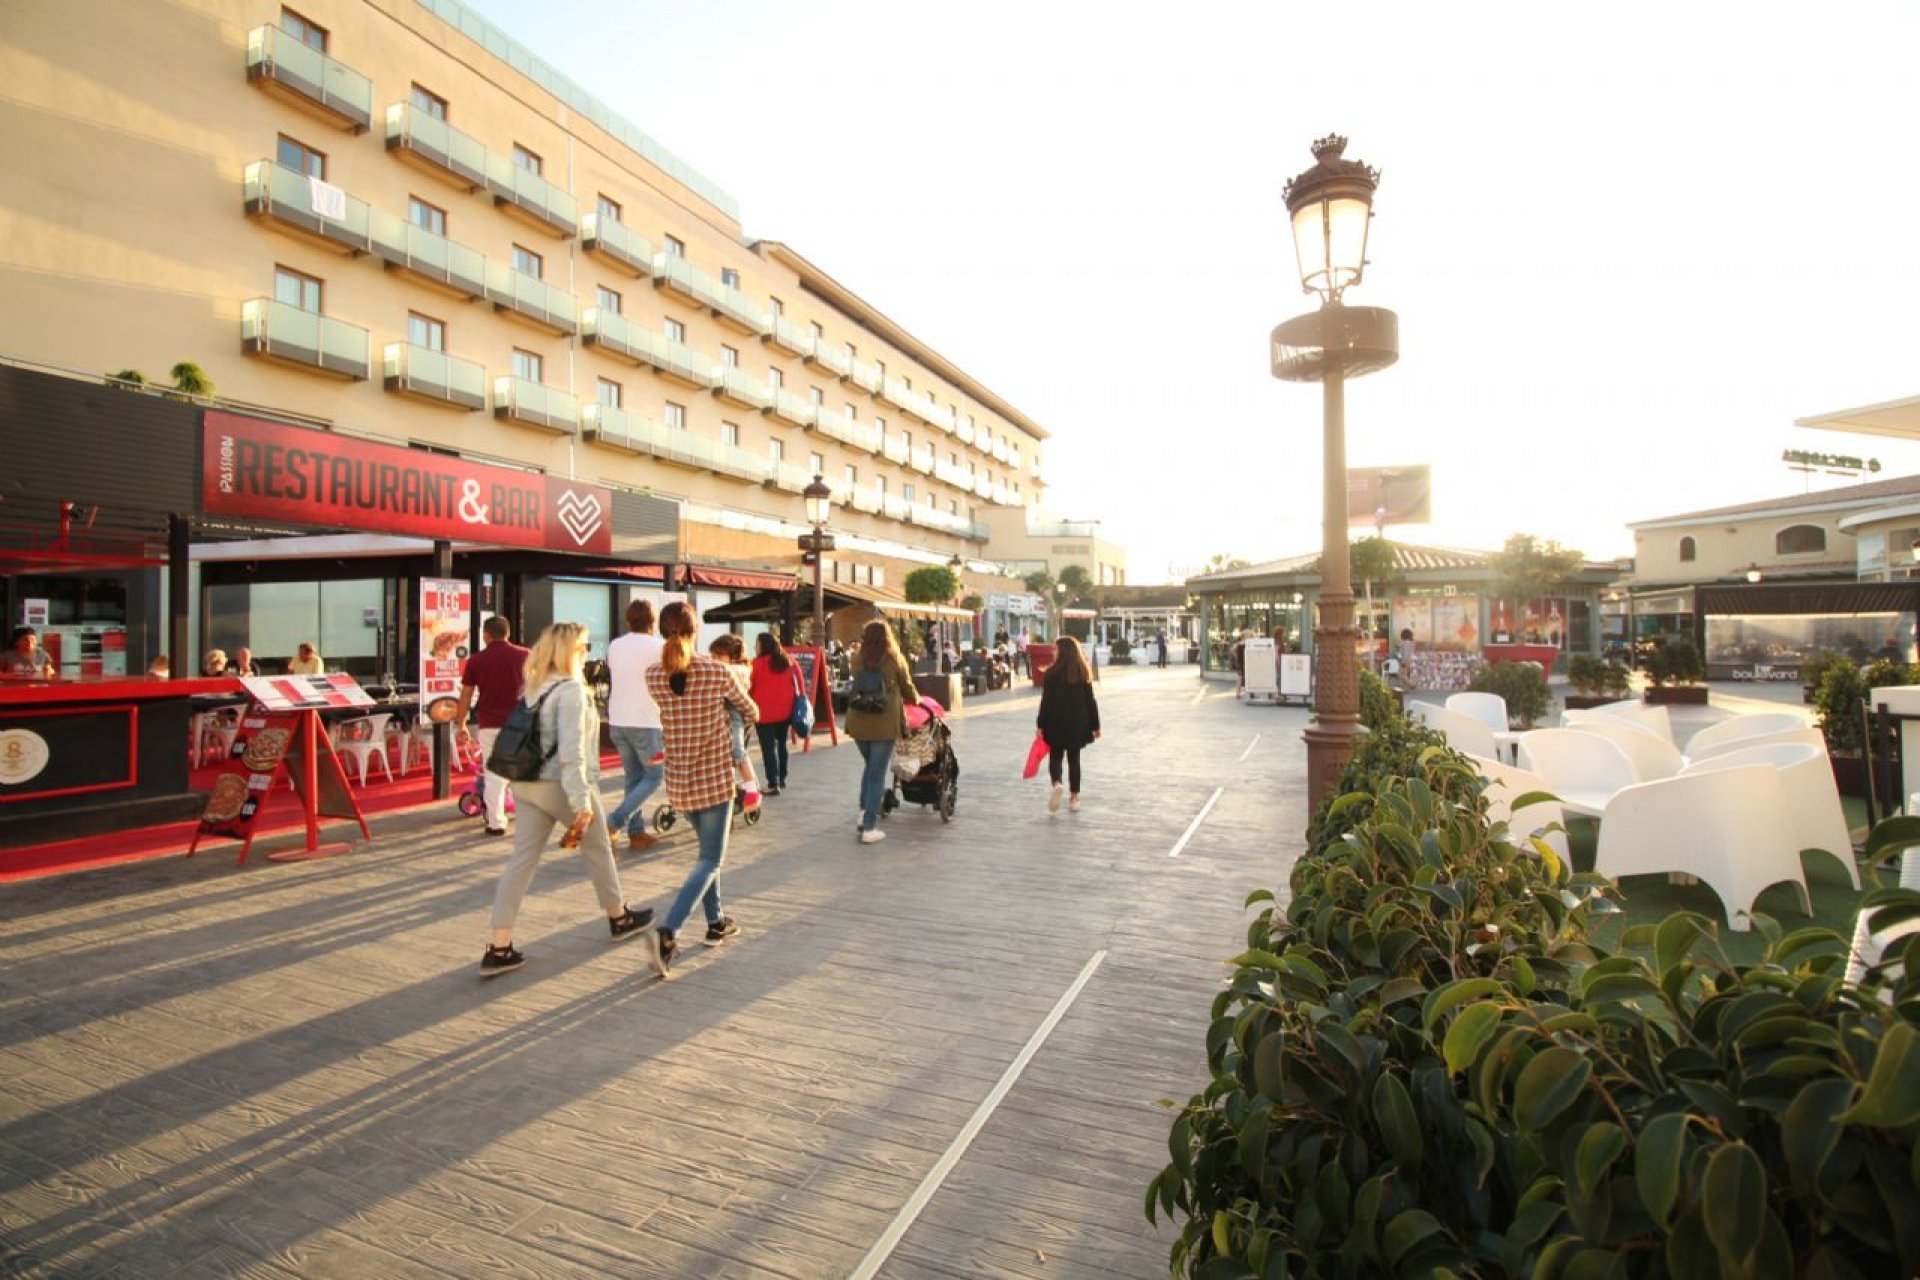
(925, 770)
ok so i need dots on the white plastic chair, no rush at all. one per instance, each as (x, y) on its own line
(1652, 757)
(416, 741)
(1584, 769)
(1489, 709)
(1807, 791)
(1463, 732)
(1728, 827)
(1654, 720)
(1747, 726)
(1807, 735)
(363, 740)
(1507, 783)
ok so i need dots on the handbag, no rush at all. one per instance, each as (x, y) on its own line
(800, 720)
(1035, 755)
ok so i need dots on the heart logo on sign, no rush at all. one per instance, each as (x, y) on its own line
(580, 515)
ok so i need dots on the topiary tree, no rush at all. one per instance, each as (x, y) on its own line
(1077, 582)
(1675, 660)
(932, 584)
(1039, 583)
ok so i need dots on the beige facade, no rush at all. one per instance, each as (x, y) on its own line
(1812, 535)
(156, 206)
(1029, 540)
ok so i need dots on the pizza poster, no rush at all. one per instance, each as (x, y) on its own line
(446, 634)
(242, 789)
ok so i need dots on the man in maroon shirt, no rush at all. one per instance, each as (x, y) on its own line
(495, 673)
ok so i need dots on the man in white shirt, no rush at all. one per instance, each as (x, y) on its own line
(633, 721)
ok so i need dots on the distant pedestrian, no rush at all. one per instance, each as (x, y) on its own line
(774, 685)
(1160, 640)
(693, 693)
(1020, 661)
(730, 652)
(877, 717)
(1069, 719)
(566, 792)
(1239, 664)
(306, 661)
(633, 722)
(490, 685)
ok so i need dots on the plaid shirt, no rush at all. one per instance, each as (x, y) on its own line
(699, 750)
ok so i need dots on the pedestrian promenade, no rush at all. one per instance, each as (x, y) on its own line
(294, 1069)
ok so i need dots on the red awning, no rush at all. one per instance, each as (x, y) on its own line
(741, 579)
(644, 572)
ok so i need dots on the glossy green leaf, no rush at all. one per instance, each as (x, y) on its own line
(1399, 1126)
(1600, 1146)
(1407, 1230)
(1733, 1201)
(1453, 994)
(1898, 832)
(1547, 1086)
(1676, 937)
(1223, 1268)
(1892, 1096)
(1468, 1034)
(1222, 1231)
(1269, 1058)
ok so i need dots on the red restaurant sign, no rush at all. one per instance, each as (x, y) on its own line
(270, 471)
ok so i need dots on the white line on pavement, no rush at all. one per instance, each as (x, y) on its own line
(1194, 826)
(1204, 691)
(1250, 747)
(883, 1247)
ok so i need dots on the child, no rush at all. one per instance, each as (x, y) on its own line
(730, 651)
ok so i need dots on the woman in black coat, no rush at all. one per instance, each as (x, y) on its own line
(1069, 718)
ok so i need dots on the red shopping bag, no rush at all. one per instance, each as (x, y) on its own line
(1035, 755)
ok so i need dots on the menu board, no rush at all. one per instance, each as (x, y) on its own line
(290, 693)
(446, 634)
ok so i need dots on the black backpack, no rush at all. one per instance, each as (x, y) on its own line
(516, 754)
(869, 693)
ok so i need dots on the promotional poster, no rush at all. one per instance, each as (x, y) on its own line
(446, 633)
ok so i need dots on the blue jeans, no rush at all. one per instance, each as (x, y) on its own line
(873, 780)
(773, 751)
(636, 746)
(710, 825)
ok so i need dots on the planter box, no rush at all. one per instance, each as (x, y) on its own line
(1678, 695)
(1849, 774)
(1583, 702)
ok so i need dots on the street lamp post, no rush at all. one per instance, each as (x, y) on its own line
(1330, 206)
(819, 506)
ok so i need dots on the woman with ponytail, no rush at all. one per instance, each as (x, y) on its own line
(693, 693)
(877, 717)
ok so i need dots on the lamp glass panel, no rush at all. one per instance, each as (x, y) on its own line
(1346, 239)
(817, 510)
(1310, 245)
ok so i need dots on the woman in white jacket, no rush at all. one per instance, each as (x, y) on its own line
(567, 793)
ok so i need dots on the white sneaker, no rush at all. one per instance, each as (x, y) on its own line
(1073, 804)
(874, 836)
(1053, 799)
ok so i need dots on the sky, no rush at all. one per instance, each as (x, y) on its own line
(1628, 243)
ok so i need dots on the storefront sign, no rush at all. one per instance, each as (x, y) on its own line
(271, 471)
(288, 693)
(33, 612)
(23, 754)
(446, 632)
(1761, 672)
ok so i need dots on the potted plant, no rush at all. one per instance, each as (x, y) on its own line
(1841, 702)
(1813, 668)
(1596, 681)
(1673, 673)
(1522, 684)
(1122, 652)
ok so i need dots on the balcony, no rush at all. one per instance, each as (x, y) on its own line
(922, 459)
(999, 450)
(865, 375)
(531, 197)
(952, 473)
(289, 335)
(895, 450)
(283, 198)
(867, 500)
(436, 146)
(737, 386)
(896, 508)
(832, 422)
(608, 238)
(829, 360)
(631, 433)
(617, 335)
(982, 487)
(897, 393)
(435, 376)
(788, 477)
(789, 337)
(280, 64)
(789, 407)
(739, 310)
(729, 305)
(434, 259)
(530, 299)
(548, 408)
(964, 430)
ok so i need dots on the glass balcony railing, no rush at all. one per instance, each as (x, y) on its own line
(865, 375)
(618, 429)
(865, 500)
(999, 450)
(791, 408)
(895, 450)
(964, 430)
(922, 459)
(897, 393)
(413, 248)
(952, 473)
(615, 333)
(438, 143)
(789, 477)
(829, 359)
(676, 275)
(896, 508)
(789, 337)
(833, 422)
(523, 295)
(982, 487)
(735, 307)
(434, 375)
(737, 386)
(276, 58)
(282, 332)
(538, 406)
(531, 194)
(272, 191)
(610, 238)
(1003, 495)
(939, 415)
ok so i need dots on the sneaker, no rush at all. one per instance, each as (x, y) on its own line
(770, 791)
(1073, 803)
(642, 840)
(496, 831)
(1053, 799)
(626, 926)
(497, 960)
(660, 949)
(719, 933)
(874, 836)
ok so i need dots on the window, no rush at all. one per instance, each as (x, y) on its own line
(776, 379)
(607, 298)
(777, 450)
(819, 397)
(608, 393)
(730, 277)
(730, 434)
(817, 463)
(427, 103)
(881, 365)
(676, 332)
(296, 289)
(853, 476)
(906, 492)
(1687, 549)
(525, 159)
(527, 262)
(953, 506)
(906, 441)
(879, 424)
(301, 158)
(779, 307)
(953, 457)
(425, 331)
(880, 483)
(675, 247)
(305, 32)
(819, 334)
(729, 356)
(609, 210)
(425, 216)
(907, 382)
(676, 415)
(1800, 540)
(526, 365)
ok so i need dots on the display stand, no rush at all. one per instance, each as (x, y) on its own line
(1296, 677)
(813, 675)
(1260, 679)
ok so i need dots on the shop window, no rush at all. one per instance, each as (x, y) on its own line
(427, 103)
(298, 156)
(1687, 549)
(1800, 540)
(307, 33)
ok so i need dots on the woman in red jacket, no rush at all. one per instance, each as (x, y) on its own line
(774, 684)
